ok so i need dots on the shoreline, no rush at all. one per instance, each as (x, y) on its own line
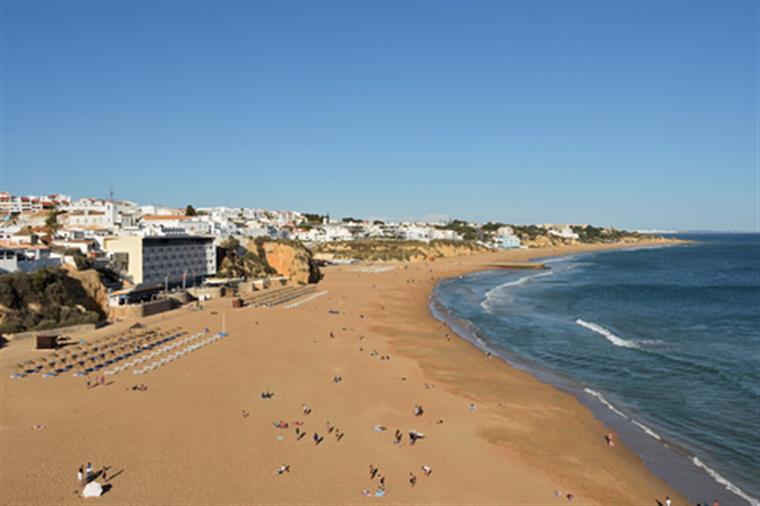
(666, 458)
(525, 441)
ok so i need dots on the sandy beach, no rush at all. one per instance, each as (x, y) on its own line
(201, 433)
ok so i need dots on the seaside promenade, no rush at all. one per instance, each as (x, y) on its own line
(350, 366)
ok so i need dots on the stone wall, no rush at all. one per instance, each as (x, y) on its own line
(142, 310)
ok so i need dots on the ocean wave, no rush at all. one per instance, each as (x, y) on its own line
(615, 410)
(607, 403)
(695, 460)
(496, 292)
(720, 479)
(617, 341)
(647, 430)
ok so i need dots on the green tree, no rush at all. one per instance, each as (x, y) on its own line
(190, 211)
(51, 222)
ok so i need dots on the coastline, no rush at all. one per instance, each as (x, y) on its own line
(666, 458)
(525, 440)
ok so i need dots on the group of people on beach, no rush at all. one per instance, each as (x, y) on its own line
(380, 489)
(85, 474)
(99, 380)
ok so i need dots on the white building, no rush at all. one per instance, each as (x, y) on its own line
(563, 231)
(26, 204)
(506, 239)
(152, 260)
(90, 218)
(26, 257)
(158, 210)
(442, 234)
(415, 233)
(173, 224)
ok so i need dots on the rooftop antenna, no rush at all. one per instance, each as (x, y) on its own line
(110, 193)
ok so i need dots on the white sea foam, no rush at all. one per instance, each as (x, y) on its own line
(695, 460)
(615, 410)
(606, 402)
(496, 292)
(720, 479)
(646, 429)
(617, 341)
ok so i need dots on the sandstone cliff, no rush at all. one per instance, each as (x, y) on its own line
(93, 287)
(268, 257)
(291, 259)
(395, 251)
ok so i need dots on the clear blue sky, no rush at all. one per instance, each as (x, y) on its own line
(634, 114)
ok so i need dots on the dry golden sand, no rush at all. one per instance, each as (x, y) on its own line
(184, 441)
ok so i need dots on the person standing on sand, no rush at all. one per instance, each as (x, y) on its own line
(610, 441)
(89, 471)
(104, 473)
(412, 479)
(79, 475)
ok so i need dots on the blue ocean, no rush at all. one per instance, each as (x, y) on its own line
(662, 343)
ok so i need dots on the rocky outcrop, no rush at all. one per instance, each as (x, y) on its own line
(290, 259)
(50, 298)
(396, 251)
(92, 285)
(269, 257)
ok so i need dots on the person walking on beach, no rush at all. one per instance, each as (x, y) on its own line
(610, 441)
(89, 471)
(412, 479)
(80, 474)
(104, 473)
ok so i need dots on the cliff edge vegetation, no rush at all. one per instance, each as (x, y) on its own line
(395, 250)
(49, 298)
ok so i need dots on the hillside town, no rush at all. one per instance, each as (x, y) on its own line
(139, 253)
(49, 230)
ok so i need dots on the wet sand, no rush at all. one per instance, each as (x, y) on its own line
(186, 441)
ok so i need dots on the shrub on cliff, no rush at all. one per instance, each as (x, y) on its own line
(44, 299)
